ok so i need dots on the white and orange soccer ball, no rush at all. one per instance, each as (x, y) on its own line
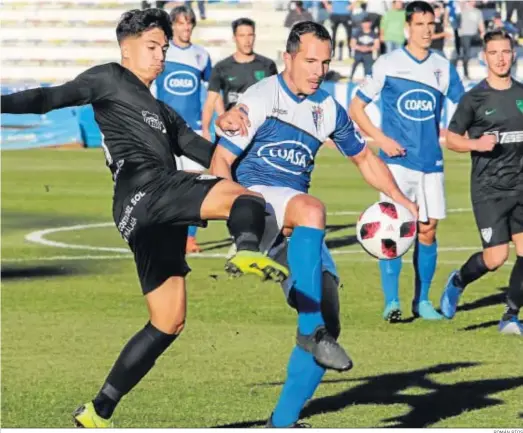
(386, 230)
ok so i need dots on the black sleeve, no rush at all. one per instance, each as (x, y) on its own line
(187, 142)
(463, 116)
(215, 81)
(88, 87)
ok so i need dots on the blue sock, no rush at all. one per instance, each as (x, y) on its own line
(425, 257)
(304, 256)
(303, 377)
(390, 279)
(192, 231)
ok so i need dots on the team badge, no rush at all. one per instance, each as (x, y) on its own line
(437, 74)
(259, 75)
(486, 234)
(198, 58)
(317, 115)
(519, 103)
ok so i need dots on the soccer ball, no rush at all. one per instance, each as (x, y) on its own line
(386, 230)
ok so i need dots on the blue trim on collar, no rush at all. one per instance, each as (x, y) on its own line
(414, 58)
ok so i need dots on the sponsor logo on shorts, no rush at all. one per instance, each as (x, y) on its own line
(417, 105)
(206, 177)
(153, 120)
(128, 222)
(289, 156)
(486, 234)
(181, 83)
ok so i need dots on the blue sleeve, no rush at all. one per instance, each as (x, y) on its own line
(348, 141)
(456, 89)
(207, 71)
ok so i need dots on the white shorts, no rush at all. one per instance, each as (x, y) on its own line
(186, 164)
(425, 189)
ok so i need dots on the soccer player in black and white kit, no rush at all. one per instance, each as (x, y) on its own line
(153, 202)
(492, 116)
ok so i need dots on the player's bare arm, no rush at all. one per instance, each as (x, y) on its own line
(222, 162)
(358, 114)
(377, 174)
(460, 143)
(208, 110)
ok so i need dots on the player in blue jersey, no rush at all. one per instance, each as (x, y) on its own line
(187, 66)
(290, 117)
(414, 83)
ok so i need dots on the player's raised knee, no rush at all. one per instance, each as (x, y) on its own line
(305, 210)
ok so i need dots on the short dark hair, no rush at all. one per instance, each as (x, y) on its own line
(305, 28)
(497, 35)
(136, 21)
(242, 22)
(417, 7)
(185, 11)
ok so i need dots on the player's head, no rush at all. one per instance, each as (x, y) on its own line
(420, 23)
(243, 31)
(366, 25)
(184, 21)
(497, 20)
(439, 9)
(499, 52)
(307, 56)
(143, 36)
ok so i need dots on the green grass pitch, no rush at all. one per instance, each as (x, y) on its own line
(66, 314)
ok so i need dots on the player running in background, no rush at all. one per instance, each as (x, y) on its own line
(290, 118)
(153, 202)
(235, 74)
(492, 116)
(413, 83)
(187, 66)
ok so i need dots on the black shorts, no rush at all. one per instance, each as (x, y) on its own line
(154, 218)
(498, 220)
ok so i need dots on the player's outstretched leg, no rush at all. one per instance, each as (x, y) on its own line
(245, 214)
(305, 249)
(510, 323)
(246, 224)
(425, 257)
(473, 269)
(192, 246)
(390, 274)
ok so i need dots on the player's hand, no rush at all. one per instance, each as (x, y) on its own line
(486, 143)
(391, 147)
(235, 121)
(413, 208)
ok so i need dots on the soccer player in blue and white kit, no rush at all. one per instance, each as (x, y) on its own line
(413, 83)
(290, 117)
(187, 66)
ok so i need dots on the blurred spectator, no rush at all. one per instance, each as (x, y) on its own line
(454, 18)
(340, 12)
(438, 38)
(319, 12)
(392, 28)
(161, 4)
(201, 7)
(488, 10)
(517, 6)
(375, 10)
(297, 14)
(471, 27)
(365, 45)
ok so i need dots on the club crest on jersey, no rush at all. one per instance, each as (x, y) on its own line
(437, 74)
(317, 115)
(519, 104)
(259, 75)
(153, 120)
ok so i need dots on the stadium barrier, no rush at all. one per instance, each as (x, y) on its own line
(77, 125)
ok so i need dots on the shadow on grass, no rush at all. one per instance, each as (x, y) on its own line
(438, 401)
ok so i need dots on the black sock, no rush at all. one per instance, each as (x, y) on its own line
(136, 359)
(247, 222)
(473, 269)
(515, 290)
